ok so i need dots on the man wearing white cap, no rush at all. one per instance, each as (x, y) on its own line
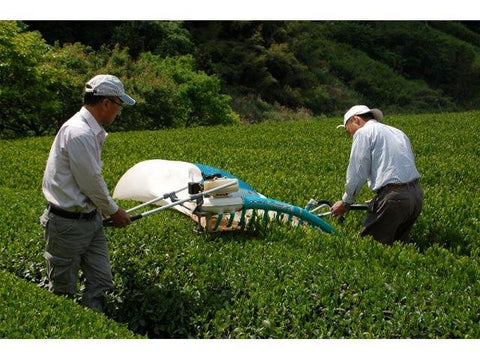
(78, 196)
(382, 156)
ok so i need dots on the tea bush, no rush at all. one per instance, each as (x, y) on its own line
(29, 312)
(276, 282)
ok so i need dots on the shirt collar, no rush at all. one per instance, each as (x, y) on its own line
(92, 123)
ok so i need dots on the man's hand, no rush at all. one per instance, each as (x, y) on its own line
(121, 218)
(339, 209)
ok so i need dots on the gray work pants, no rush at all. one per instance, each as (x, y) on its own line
(71, 245)
(393, 212)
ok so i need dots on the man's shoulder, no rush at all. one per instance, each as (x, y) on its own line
(76, 127)
(367, 129)
(378, 127)
(368, 132)
(392, 129)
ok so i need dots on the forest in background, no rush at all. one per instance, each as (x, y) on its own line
(221, 72)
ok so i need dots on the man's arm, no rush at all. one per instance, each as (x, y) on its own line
(358, 171)
(87, 173)
(359, 167)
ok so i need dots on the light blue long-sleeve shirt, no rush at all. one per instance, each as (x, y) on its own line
(380, 155)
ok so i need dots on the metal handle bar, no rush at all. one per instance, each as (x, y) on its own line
(109, 222)
(170, 195)
(328, 204)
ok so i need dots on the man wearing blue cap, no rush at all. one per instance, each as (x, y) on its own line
(78, 197)
(382, 156)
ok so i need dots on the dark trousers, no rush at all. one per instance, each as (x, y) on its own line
(393, 212)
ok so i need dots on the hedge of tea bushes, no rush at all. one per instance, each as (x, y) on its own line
(277, 282)
(29, 312)
(289, 283)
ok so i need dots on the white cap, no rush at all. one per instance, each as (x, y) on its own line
(108, 85)
(360, 110)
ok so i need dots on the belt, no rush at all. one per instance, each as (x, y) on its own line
(399, 186)
(72, 215)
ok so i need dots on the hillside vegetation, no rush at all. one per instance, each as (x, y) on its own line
(187, 74)
(277, 281)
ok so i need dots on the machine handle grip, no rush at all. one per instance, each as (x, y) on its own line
(109, 222)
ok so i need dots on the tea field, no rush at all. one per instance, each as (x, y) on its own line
(277, 281)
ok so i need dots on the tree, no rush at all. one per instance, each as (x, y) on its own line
(28, 97)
